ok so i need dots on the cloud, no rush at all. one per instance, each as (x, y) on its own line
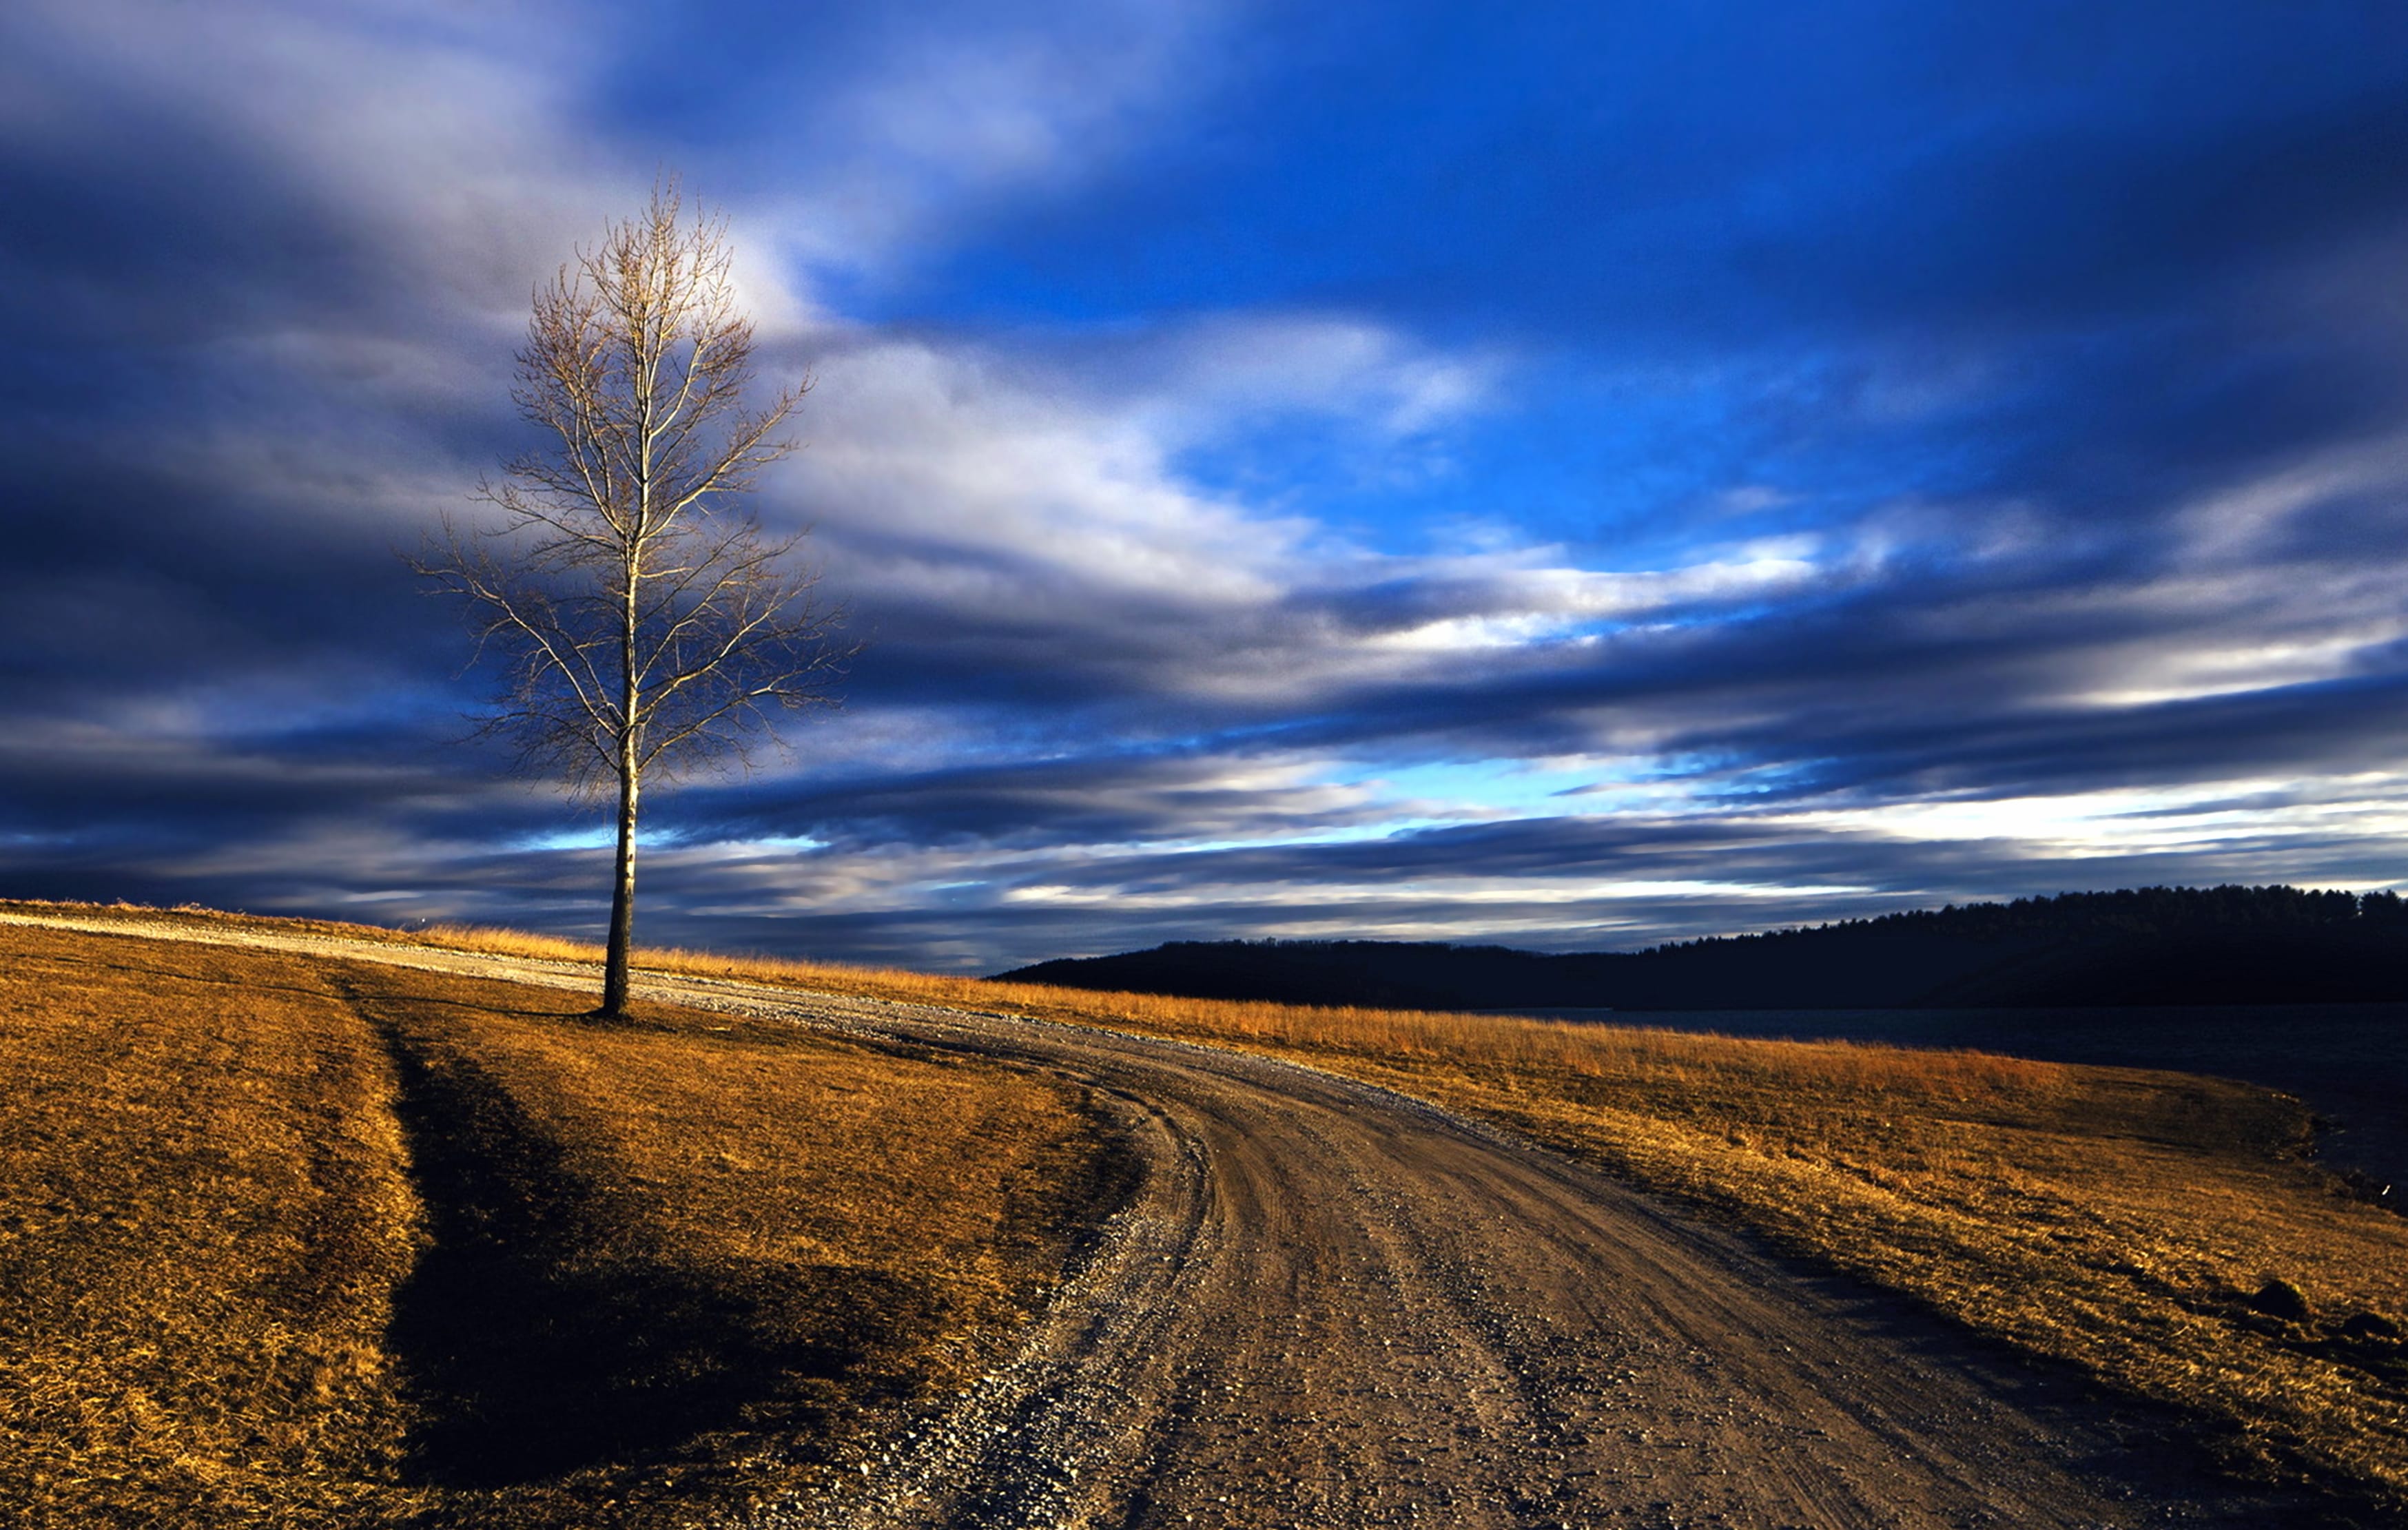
(1225, 372)
(1297, 477)
(941, 458)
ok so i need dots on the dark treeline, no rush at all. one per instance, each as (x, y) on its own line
(2147, 946)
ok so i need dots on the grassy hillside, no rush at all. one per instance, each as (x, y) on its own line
(289, 1241)
(204, 1212)
(2165, 1232)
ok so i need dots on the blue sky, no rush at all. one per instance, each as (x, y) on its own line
(1596, 475)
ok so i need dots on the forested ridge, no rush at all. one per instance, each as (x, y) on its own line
(2144, 945)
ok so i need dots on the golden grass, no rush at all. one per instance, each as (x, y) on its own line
(202, 1217)
(745, 1232)
(287, 1241)
(2115, 1219)
(2120, 1220)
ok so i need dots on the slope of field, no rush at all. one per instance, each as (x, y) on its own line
(2166, 1232)
(288, 1241)
(203, 1213)
(2346, 1062)
(2161, 1232)
(1327, 1304)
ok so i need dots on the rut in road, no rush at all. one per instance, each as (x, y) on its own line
(1327, 1305)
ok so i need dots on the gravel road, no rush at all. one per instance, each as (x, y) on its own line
(1325, 1305)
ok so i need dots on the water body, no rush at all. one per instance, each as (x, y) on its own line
(2349, 1061)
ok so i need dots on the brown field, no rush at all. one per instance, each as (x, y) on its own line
(293, 1242)
(2125, 1221)
(2163, 1232)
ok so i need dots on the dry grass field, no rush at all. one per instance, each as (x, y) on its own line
(203, 1216)
(290, 1241)
(2165, 1232)
(2161, 1231)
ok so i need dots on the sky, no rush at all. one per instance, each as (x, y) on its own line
(1575, 477)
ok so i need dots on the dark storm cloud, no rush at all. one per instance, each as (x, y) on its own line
(214, 439)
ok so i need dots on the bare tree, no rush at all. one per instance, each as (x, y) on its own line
(643, 624)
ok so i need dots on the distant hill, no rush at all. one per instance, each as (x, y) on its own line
(2148, 946)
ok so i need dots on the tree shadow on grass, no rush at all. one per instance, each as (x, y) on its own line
(543, 1333)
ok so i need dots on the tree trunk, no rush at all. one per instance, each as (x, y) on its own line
(622, 896)
(623, 887)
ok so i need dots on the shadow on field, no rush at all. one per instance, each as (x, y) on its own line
(543, 1333)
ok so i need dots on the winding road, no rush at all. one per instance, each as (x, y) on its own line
(1325, 1305)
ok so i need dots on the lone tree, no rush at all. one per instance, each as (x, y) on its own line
(644, 625)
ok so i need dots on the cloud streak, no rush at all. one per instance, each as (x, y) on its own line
(1719, 470)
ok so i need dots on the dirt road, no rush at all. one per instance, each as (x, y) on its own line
(1327, 1306)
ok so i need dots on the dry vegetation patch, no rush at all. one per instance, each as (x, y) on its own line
(294, 1242)
(2165, 1232)
(202, 1216)
(2124, 1221)
(688, 1253)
